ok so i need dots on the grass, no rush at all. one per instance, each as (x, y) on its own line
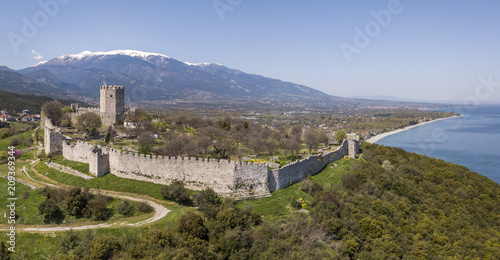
(107, 182)
(81, 167)
(278, 206)
(26, 208)
(5, 143)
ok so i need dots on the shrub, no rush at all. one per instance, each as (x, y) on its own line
(125, 208)
(191, 224)
(296, 203)
(208, 202)
(176, 191)
(104, 247)
(14, 142)
(144, 207)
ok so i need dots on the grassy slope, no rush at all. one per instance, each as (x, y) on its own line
(82, 167)
(107, 182)
(279, 204)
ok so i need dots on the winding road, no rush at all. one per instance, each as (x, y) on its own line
(160, 210)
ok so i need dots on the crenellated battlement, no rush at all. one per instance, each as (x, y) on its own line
(112, 87)
(228, 178)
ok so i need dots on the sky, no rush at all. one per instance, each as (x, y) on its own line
(414, 49)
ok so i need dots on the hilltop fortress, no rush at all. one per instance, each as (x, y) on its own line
(228, 178)
(111, 106)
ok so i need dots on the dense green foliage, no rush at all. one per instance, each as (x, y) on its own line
(17, 102)
(389, 204)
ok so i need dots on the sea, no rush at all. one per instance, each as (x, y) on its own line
(472, 140)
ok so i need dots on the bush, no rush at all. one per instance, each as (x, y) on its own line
(125, 208)
(14, 142)
(297, 203)
(349, 181)
(176, 191)
(144, 207)
(104, 247)
(191, 224)
(208, 202)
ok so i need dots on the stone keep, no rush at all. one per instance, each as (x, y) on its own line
(112, 104)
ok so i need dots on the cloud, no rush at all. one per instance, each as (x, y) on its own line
(37, 56)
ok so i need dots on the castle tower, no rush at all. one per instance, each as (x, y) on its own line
(112, 105)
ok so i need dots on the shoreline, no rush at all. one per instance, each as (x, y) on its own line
(378, 137)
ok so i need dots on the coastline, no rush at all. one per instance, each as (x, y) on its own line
(378, 137)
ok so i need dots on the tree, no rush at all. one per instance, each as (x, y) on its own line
(208, 202)
(245, 124)
(66, 121)
(104, 247)
(125, 208)
(53, 111)
(67, 109)
(97, 209)
(296, 132)
(311, 138)
(108, 135)
(323, 138)
(50, 209)
(88, 122)
(231, 217)
(175, 191)
(270, 145)
(225, 125)
(340, 136)
(138, 116)
(191, 224)
(146, 142)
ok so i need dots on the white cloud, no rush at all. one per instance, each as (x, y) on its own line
(37, 56)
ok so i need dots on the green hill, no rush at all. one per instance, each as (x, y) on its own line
(18, 102)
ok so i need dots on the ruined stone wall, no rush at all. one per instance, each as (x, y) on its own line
(250, 180)
(79, 151)
(196, 173)
(299, 170)
(106, 118)
(52, 140)
(240, 180)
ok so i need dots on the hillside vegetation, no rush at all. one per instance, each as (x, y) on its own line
(389, 204)
(17, 102)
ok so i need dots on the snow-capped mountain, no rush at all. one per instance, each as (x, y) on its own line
(152, 76)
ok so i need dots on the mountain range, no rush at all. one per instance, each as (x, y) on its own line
(157, 78)
(150, 76)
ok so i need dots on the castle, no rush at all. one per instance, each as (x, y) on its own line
(228, 178)
(111, 107)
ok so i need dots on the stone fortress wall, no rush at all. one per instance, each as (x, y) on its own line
(228, 178)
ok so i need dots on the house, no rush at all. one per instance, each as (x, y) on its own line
(6, 118)
(4, 112)
(25, 112)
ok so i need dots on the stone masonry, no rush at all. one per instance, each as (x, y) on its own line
(111, 107)
(228, 178)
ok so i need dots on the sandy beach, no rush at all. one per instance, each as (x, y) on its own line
(376, 138)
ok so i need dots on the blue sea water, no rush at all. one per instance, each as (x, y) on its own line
(472, 140)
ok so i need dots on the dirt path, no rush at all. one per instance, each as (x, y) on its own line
(160, 210)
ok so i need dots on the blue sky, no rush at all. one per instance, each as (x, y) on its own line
(433, 50)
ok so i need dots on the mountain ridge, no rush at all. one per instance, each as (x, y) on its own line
(153, 76)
